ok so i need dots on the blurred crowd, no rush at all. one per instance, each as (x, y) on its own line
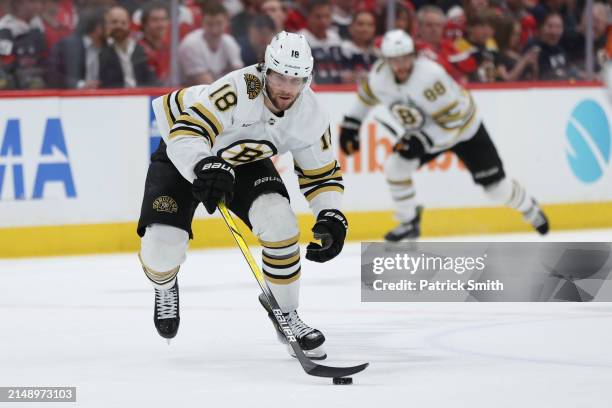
(89, 44)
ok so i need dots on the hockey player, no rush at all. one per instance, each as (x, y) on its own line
(217, 144)
(438, 115)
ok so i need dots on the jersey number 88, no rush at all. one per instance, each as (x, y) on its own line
(431, 94)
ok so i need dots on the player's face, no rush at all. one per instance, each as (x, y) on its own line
(283, 90)
(401, 66)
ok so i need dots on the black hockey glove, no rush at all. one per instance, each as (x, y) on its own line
(410, 147)
(330, 228)
(349, 135)
(214, 182)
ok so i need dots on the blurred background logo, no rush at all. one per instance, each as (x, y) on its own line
(588, 134)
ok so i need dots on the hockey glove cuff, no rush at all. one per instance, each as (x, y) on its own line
(330, 228)
(214, 182)
(410, 147)
(349, 135)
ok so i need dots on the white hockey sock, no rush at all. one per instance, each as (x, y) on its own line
(398, 172)
(281, 267)
(275, 225)
(511, 194)
(403, 194)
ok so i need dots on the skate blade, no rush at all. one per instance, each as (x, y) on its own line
(314, 354)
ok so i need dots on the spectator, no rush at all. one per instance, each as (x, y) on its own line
(471, 7)
(359, 53)
(131, 5)
(189, 18)
(455, 23)
(342, 16)
(574, 42)
(324, 42)
(209, 53)
(479, 56)
(404, 18)
(74, 60)
(59, 19)
(545, 7)
(552, 62)
(275, 9)
(123, 63)
(92, 4)
(22, 46)
(240, 22)
(513, 66)
(4, 7)
(296, 17)
(155, 24)
(518, 10)
(432, 44)
(259, 34)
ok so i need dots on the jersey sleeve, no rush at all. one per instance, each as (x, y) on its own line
(366, 98)
(195, 118)
(319, 175)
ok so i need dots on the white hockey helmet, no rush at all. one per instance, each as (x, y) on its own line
(289, 54)
(396, 43)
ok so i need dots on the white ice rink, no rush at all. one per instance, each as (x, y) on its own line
(87, 322)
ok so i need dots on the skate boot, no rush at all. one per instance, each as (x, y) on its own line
(166, 311)
(310, 340)
(406, 230)
(536, 217)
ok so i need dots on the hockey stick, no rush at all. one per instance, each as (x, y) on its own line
(308, 365)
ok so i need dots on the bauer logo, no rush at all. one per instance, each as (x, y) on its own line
(588, 134)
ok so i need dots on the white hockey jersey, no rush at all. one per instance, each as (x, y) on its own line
(228, 119)
(429, 104)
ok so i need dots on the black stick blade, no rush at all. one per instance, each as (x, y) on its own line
(330, 372)
(325, 371)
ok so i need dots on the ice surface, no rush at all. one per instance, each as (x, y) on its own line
(87, 322)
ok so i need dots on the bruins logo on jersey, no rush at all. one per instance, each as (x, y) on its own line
(165, 204)
(409, 116)
(247, 151)
(253, 85)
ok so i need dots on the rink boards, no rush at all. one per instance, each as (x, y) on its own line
(72, 170)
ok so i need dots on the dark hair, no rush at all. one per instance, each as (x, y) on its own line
(89, 20)
(313, 4)
(262, 22)
(150, 8)
(214, 8)
(482, 17)
(370, 13)
(400, 8)
(503, 31)
(544, 18)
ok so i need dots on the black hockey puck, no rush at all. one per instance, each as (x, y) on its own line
(342, 380)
